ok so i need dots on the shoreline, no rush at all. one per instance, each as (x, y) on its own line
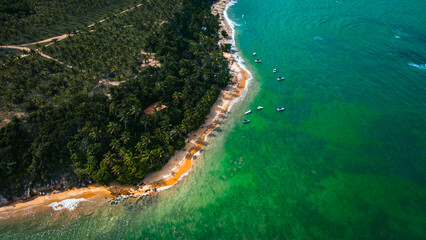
(181, 163)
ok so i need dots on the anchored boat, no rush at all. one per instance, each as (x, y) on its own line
(259, 108)
(246, 121)
(257, 61)
(280, 78)
(249, 111)
(280, 109)
(275, 70)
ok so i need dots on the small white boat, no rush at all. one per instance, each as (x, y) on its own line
(259, 108)
(254, 54)
(246, 121)
(280, 109)
(280, 78)
(275, 70)
(249, 111)
(257, 61)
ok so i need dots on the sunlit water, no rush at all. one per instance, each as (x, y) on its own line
(345, 160)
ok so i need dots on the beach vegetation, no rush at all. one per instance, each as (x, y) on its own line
(226, 47)
(75, 123)
(224, 33)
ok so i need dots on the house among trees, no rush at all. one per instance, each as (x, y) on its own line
(150, 109)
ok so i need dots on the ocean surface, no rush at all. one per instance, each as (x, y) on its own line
(345, 160)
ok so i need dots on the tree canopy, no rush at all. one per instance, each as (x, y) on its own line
(74, 125)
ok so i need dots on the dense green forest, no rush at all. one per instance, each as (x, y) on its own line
(28, 83)
(25, 21)
(5, 53)
(76, 126)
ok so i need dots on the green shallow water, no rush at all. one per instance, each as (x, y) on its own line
(346, 160)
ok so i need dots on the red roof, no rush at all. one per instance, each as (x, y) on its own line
(150, 109)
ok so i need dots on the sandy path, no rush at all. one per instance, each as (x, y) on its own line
(182, 161)
(63, 36)
(56, 39)
(37, 51)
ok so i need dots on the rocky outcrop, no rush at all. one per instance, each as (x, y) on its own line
(61, 183)
(3, 200)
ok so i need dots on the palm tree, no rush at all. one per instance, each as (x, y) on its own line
(145, 140)
(140, 147)
(145, 121)
(134, 110)
(112, 128)
(125, 137)
(94, 133)
(115, 144)
(177, 96)
(128, 157)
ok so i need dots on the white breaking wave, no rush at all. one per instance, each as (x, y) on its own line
(69, 204)
(232, 24)
(419, 66)
(183, 175)
(164, 188)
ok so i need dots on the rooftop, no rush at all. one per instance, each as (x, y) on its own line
(154, 108)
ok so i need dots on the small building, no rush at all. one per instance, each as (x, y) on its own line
(154, 108)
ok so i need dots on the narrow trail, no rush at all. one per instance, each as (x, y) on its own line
(52, 40)
(37, 51)
(57, 38)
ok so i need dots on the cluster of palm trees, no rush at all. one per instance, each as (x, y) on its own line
(26, 21)
(108, 139)
(27, 84)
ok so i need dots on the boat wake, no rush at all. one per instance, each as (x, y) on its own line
(419, 66)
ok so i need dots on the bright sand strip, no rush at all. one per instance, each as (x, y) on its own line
(20, 208)
(181, 163)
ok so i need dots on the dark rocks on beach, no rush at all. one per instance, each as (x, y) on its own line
(3, 200)
(140, 198)
(15, 198)
(59, 183)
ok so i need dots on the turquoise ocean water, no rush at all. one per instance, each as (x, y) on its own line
(346, 160)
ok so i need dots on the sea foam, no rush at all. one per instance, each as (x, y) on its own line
(240, 61)
(69, 204)
(419, 66)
